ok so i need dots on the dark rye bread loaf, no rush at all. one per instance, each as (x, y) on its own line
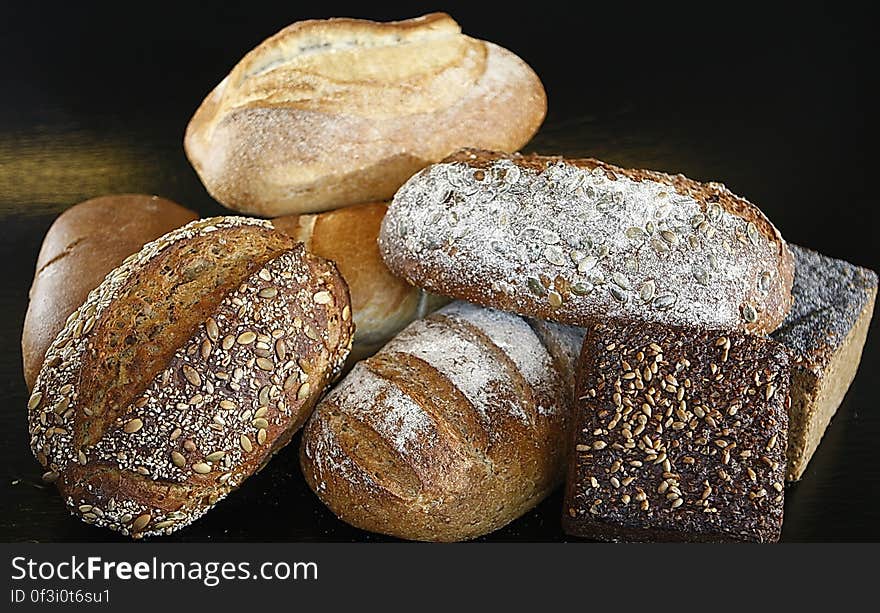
(568, 240)
(184, 371)
(825, 333)
(455, 428)
(679, 435)
(87, 241)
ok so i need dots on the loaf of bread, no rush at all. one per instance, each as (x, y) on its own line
(455, 428)
(87, 241)
(327, 113)
(824, 333)
(381, 304)
(184, 371)
(568, 240)
(679, 435)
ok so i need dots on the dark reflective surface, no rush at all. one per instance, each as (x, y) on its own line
(775, 104)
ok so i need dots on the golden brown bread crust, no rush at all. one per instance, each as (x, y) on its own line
(83, 244)
(569, 240)
(156, 401)
(382, 304)
(327, 113)
(455, 428)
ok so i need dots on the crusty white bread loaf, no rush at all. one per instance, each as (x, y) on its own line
(381, 304)
(84, 243)
(327, 113)
(569, 240)
(184, 371)
(455, 428)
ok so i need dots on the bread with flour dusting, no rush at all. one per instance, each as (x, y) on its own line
(455, 428)
(332, 112)
(184, 371)
(569, 240)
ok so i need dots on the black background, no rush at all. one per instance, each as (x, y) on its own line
(772, 101)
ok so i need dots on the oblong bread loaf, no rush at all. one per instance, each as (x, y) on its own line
(184, 371)
(82, 245)
(332, 112)
(569, 240)
(455, 428)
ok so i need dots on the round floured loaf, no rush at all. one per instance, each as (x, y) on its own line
(332, 112)
(184, 371)
(569, 240)
(381, 304)
(87, 241)
(455, 428)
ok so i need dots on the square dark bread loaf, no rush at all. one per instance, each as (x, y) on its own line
(679, 435)
(824, 333)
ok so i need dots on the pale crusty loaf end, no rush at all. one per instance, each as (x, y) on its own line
(332, 112)
(381, 304)
(87, 241)
(569, 240)
(455, 428)
(184, 371)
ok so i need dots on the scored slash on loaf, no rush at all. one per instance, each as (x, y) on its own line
(184, 371)
(568, 240)
(84, 243)
(327, 113)
(455, 428)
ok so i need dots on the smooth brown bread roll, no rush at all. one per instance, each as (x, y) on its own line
(332, 112)
(570, 240)
(381, 304)
(87, 241)
(184, 371)
(455, 428)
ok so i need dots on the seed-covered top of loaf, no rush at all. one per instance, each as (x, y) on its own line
(828, 297)
(680, 430)
(182, 371)
(581, 237)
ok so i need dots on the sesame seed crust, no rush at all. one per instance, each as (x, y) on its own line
(211, 417)
(679, 434)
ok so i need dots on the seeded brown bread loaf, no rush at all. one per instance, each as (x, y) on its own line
(455, 428)
(825, 333)
(679, 435)
(568, 240)
(381, 304)
(184, 371)
(87, 241)
(327, 113)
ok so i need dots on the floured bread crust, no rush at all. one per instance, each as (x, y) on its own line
(569, 240)
(455, 428)
(332, 112)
